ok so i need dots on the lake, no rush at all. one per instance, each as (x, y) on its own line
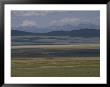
(61, 46)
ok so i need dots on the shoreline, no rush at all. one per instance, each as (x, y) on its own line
(80, 46)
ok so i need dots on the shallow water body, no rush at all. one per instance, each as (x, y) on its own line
(31, 52)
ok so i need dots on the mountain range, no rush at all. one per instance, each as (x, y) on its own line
(66, 27)
(72, 33)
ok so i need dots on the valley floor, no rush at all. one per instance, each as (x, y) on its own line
(56, 67)
(49, 64)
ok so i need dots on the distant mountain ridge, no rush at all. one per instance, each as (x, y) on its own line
(20, 33)
(73, 33)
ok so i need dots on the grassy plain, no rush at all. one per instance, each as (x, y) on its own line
(56, 66)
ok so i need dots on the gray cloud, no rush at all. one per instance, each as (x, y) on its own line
(64, 21)
(30, 13)
(28, 23)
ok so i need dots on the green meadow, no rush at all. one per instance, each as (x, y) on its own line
(56, 67)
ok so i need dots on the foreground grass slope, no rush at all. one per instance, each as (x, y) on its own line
(56, 67)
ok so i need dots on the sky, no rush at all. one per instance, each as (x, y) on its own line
(43, 19)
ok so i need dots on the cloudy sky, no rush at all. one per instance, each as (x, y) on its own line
(42, 19)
